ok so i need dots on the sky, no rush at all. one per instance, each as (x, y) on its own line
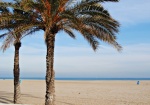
(76, 59)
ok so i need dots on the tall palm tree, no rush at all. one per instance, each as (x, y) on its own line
(8, 39)
(16, 70)
(86, 16)
(10, 23)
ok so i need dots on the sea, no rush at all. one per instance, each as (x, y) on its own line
(80, 79)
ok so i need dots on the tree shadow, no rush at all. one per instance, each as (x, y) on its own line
(28, 95)
(7, 97)
(65, 103)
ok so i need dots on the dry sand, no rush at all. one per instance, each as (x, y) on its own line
(80, 92)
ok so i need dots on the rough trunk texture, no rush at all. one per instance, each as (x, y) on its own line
(16, 74)
(50, 75)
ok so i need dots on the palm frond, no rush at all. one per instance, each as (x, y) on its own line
(92, 10)
(7, 42)
(3, 35)
(90, 38)
(30, 32)
(86, 16)
(69, 32)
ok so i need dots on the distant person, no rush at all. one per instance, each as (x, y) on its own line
(138, 82)
(20, 81)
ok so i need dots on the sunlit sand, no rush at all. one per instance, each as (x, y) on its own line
(80, 92)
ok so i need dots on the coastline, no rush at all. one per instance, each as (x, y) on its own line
(81, 79)
(99, 92)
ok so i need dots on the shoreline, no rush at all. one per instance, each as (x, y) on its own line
(85, 79)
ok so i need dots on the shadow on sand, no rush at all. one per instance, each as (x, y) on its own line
(7, 98)
(65, 103)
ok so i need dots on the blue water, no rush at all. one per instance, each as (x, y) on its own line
(85, 79)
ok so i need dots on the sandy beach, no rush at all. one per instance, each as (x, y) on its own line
(80, 92)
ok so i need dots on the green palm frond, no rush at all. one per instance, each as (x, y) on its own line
(30, 32)
(10, 4)
(69, 32)
(4, 10)
(86, 16)
(83, 3)
(24, 29)
(30, 5)
(93, 10)
(90, 38)
(8, 41)
(3, 35)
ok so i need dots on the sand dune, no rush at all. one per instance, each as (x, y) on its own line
(80, 92)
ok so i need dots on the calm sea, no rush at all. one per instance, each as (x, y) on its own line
(85, 79)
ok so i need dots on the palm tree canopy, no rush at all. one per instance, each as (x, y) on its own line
(11, 19)
(86, 16)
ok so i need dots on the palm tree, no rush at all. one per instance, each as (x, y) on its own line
(86, 16)
(16, 70)
(10, 37)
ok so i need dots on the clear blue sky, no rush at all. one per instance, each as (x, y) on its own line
(75, 58)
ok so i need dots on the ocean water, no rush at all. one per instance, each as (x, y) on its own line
(85, 79)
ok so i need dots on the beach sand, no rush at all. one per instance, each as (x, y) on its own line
(80, 92)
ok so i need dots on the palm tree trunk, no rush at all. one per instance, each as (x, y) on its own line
(16, 74)
(50, 75)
